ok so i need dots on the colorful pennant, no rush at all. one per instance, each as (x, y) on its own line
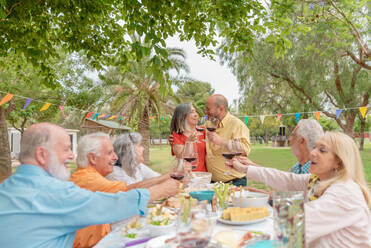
(317, 114)
(338, 112)
(6, 99)
(62, 110)
(28, 101)
(363, 111)
(246, 119)
(297, 117)
(279, 117)
(120, 118)
(95, 116)
(113, 116)
(262, 118)
(46, 106)
(88, 115)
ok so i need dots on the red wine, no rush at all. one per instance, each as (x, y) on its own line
(228, 155)
(211, 129)
(195, 242)
(177, 177)
(238, 154)
(200, 129)
(190, 160)
(194, 167)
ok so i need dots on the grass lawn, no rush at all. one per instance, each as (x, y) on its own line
(280, 158)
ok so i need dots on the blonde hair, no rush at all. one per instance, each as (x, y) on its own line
(351, 166)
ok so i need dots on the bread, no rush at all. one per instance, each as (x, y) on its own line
(245, 214)
(227, 238)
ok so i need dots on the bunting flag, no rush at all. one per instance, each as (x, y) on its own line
(206, 117)
(120, 118)
(116, 116)
(88, 115)
(363, 111)
(95, 116)
(113, 116)
(105, 117)
(338, 112)
(6, 98)
(162, 118)
(297, 117)
(46, 106)
(28, 101)
(279, 117)
(317, 114)
(246, 119)
(262, 118)
(62, 110)
(100, 116)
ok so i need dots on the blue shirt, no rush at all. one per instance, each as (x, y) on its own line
(38, 210)
(297, 168)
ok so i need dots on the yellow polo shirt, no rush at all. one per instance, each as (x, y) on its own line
(229, 128)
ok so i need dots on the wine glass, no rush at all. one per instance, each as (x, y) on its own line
(190, 153)
(212, 124)
(201, 124)
(178, 172)
(194, 225)
(238, 147)
(228, 153)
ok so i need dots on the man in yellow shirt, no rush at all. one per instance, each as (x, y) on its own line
(95, 160)
(229, 127)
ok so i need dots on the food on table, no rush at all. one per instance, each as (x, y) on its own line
(131, 230)
(252, 235)
(199, 226)
(159, 216)
(176, 201)
(245, 214)
(227, 238)
(222, 192)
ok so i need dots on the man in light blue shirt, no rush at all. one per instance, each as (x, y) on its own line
(39, 209)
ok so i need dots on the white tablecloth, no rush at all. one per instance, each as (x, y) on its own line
(116, 240)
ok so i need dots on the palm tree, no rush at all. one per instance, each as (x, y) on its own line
(138, 94)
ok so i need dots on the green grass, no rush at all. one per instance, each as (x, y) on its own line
(280, 158)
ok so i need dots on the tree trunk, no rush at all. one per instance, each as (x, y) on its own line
(143, 128)
(362, 140)
(160, 138)
(5, 159)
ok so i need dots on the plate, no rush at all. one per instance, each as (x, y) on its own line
(159, 241)
(241, 223)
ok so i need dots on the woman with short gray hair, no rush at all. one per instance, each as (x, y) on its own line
(129, 167)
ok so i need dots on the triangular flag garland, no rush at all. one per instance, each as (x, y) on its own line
(363, 111)
(6, 99)
(317, 114)
(46, 106)
(297, 117)
(338, 112)
(94, 116)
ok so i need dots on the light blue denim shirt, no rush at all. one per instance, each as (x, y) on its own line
(38, 210)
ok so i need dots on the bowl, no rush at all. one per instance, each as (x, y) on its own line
(250, 199)
(205, 195)
(201, 177)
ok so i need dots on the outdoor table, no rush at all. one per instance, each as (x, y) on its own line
(116, 240)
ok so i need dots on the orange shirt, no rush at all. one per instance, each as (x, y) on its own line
(180, 139)
(90, 179)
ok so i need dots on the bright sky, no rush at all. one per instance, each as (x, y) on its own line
(206, 70)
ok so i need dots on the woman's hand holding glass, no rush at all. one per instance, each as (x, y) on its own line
(190, 154)
(228, 153)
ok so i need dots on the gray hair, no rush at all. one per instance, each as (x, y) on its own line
(311, 131)
(32, 138)
(178, 122)
(91, 143)
(125, 149)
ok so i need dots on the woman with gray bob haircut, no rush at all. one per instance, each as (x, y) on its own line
(129, 167)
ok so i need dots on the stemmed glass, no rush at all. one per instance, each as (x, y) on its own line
(201, 124)
(237, 147)
(212, 124)
(194, 225)
(228, 153)
(190, 153)
(178, 172)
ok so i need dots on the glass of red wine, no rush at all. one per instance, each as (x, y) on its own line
(190, 153)
(228, 153)
(212, 124)
(178, 172)
(194, 225)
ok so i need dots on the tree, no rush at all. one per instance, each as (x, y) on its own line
(195, 92)
(136, 91)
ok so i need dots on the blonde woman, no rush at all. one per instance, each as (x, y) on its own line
(338, 199)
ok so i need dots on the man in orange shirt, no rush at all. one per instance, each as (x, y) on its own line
(95, 160)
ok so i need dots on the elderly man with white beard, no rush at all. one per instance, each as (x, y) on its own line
(39, 209)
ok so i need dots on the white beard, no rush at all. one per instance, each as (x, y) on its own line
(58, 170)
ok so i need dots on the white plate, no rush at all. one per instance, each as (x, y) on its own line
(240, 223)
(159, 241)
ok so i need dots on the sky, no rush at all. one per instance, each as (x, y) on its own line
(203, 69)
